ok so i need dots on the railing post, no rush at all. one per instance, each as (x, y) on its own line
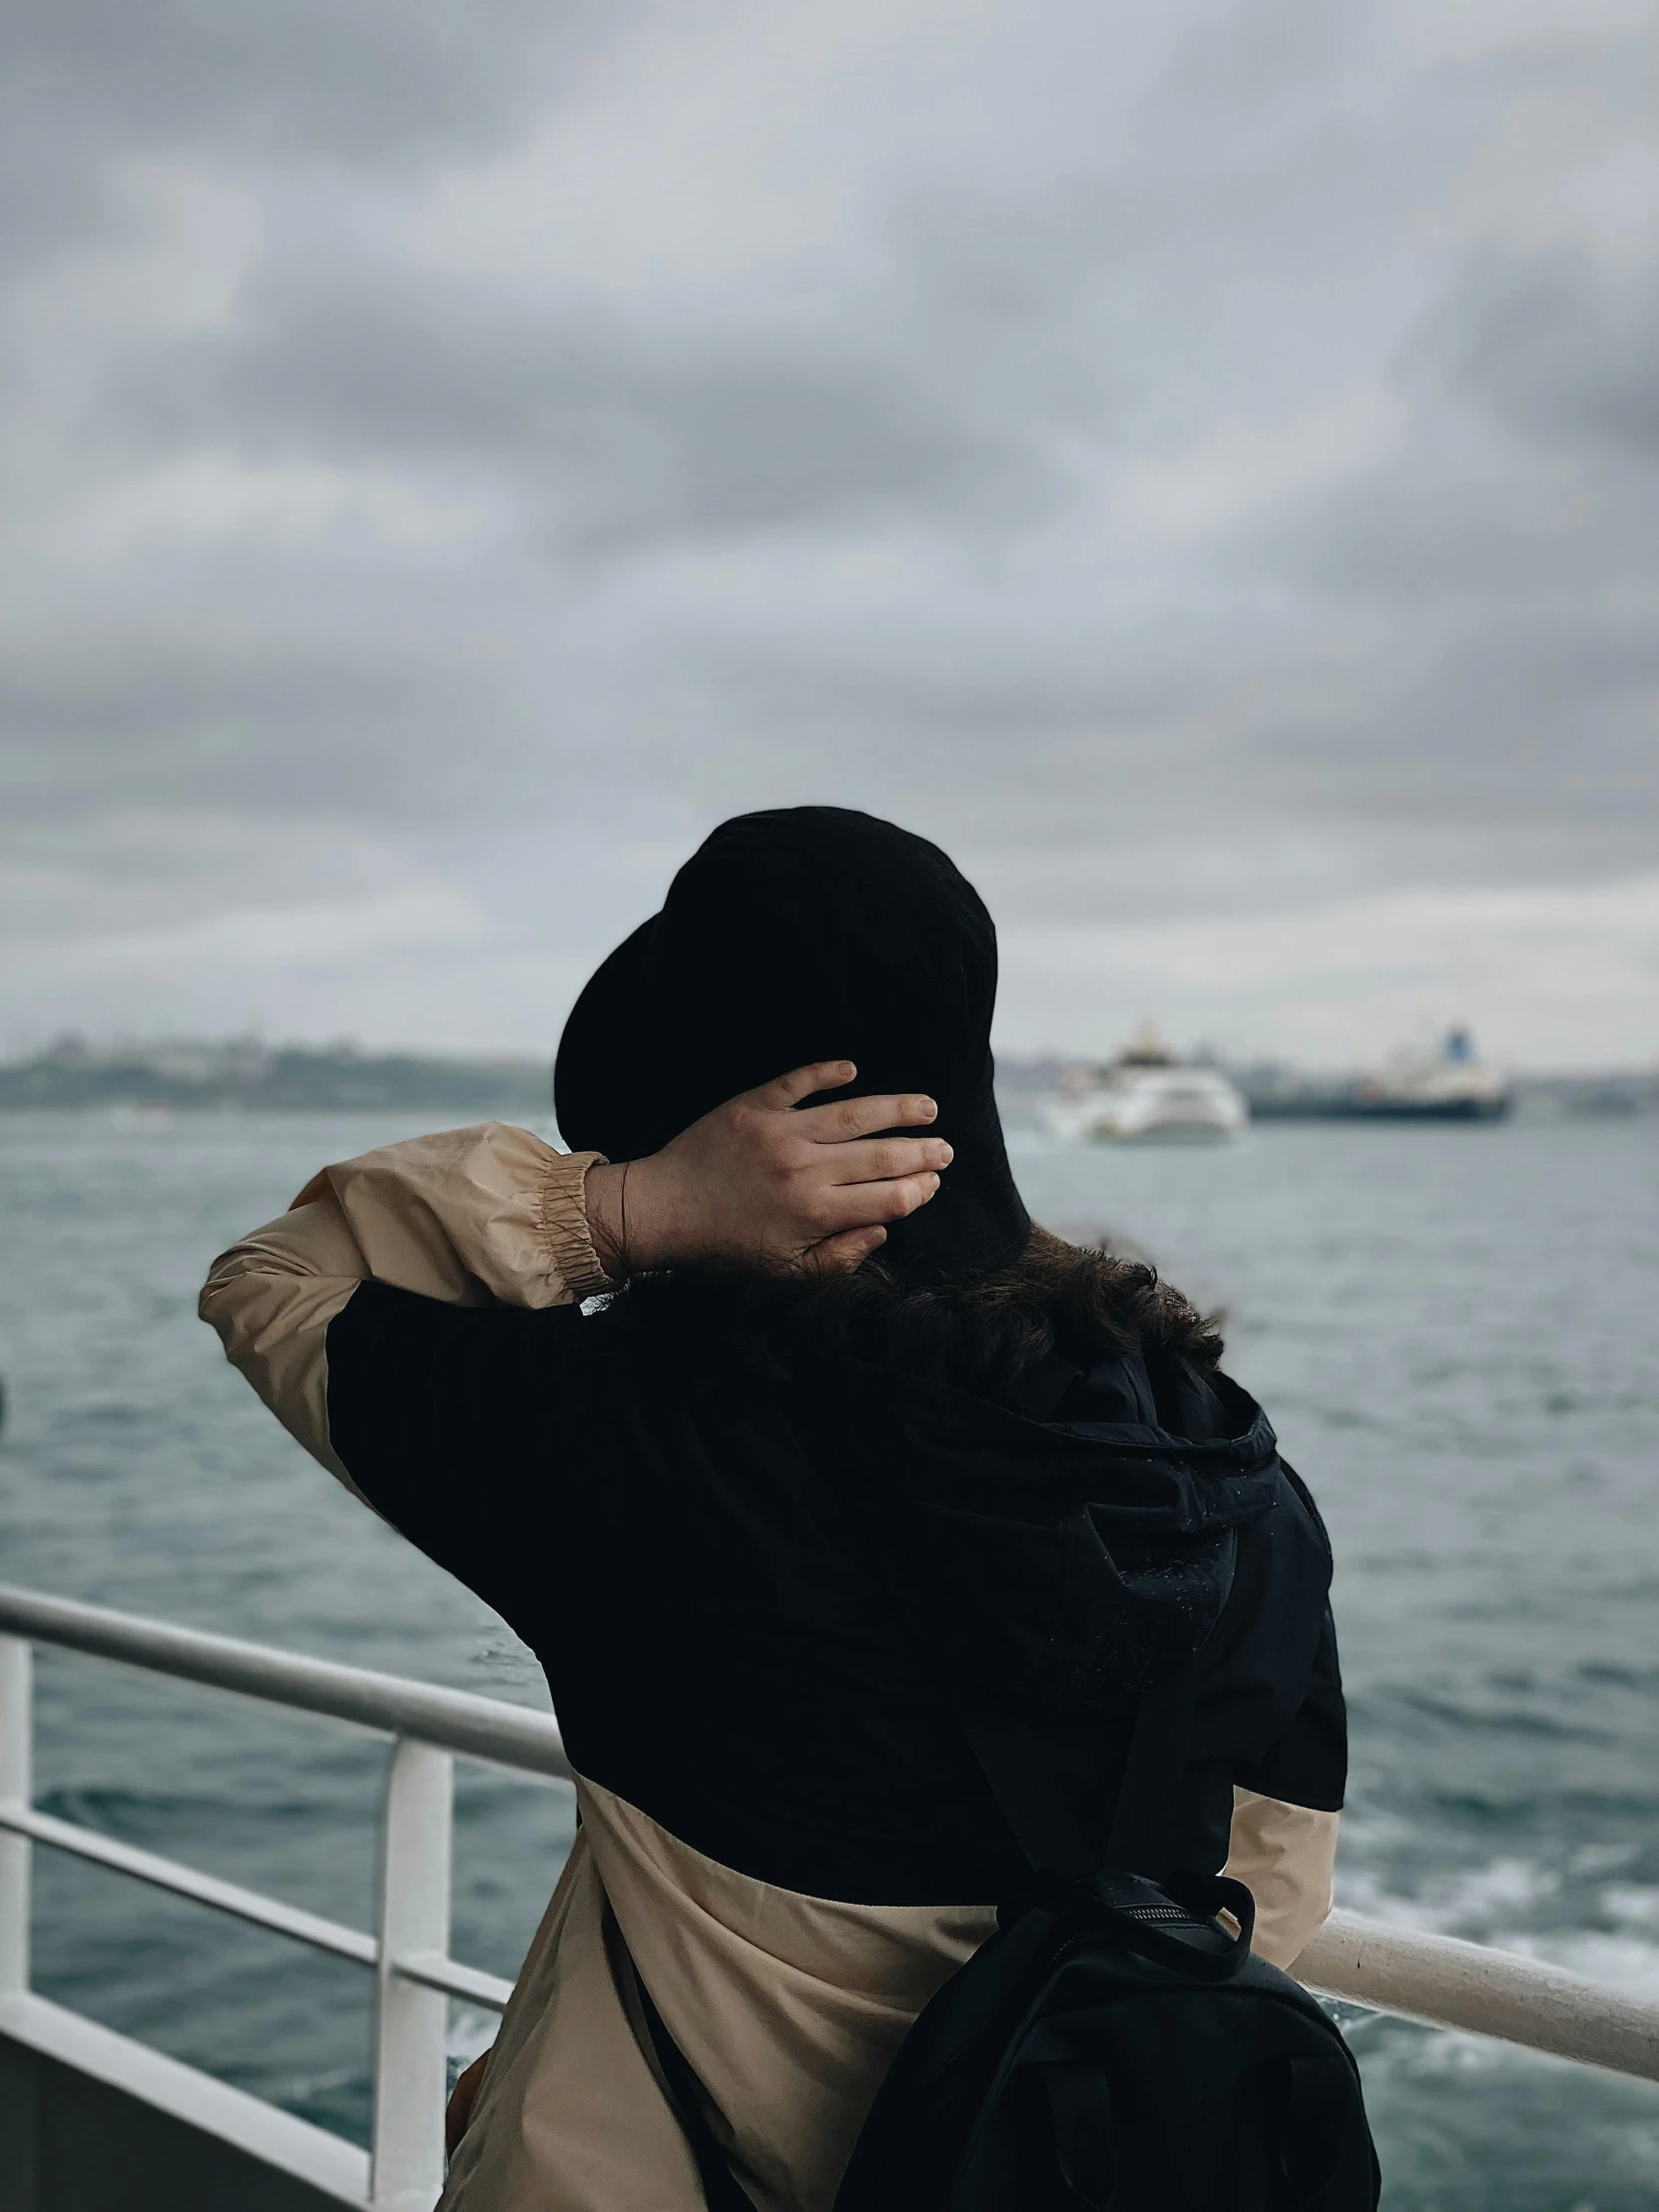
(412, 2024)
(16, 1788)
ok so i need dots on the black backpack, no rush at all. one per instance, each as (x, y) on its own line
(1111, 2049)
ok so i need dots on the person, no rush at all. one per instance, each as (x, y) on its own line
(773, 1426)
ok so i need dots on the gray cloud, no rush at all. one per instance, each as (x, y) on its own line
(380, 82)
(1557, 345)
(91, 91)
(259, 722)
(620, 432)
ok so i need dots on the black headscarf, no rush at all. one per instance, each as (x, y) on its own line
(808, 933)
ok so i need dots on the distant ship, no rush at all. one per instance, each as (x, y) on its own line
(1448, 1083)
(1147, 1096)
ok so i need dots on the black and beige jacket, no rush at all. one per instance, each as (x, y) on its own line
(789, 1833)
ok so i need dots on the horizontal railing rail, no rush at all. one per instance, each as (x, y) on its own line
(1442, 1981)
(1436, 1979)
(453, 1720)
(86, 1843)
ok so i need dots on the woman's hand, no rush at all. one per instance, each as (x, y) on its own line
(762, 1183)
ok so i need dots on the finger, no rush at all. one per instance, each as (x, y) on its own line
(799, 1083)
(845, 1118)
(884, 1159)
(859, 1205)
(840, 1255)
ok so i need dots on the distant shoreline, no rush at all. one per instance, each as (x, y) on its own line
(249, 1078)
(246, 1076)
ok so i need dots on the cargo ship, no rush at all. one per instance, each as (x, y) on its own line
(1450, 1083)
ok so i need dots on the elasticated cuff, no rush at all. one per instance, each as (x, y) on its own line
(562, 1220)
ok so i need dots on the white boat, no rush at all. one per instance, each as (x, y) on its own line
(1147, 1096)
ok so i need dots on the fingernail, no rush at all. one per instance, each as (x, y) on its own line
(949, 1154)
(930, 1111)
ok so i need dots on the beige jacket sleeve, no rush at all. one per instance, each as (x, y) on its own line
(1285, 1856)
(474, 1217)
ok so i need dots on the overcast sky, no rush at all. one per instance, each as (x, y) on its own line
(1199, 460)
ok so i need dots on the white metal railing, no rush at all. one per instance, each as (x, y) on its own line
(1433, 1978)
(409, 1951)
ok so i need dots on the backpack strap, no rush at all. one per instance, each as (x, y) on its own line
(1156, 1759)
(1027, 1791)
(1024, 1781)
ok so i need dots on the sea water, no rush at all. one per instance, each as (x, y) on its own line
(1455, 1331)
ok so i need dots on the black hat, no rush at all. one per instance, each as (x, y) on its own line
(808, 933)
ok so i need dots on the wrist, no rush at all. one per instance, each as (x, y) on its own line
(630, 1217)
(603, 1193)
